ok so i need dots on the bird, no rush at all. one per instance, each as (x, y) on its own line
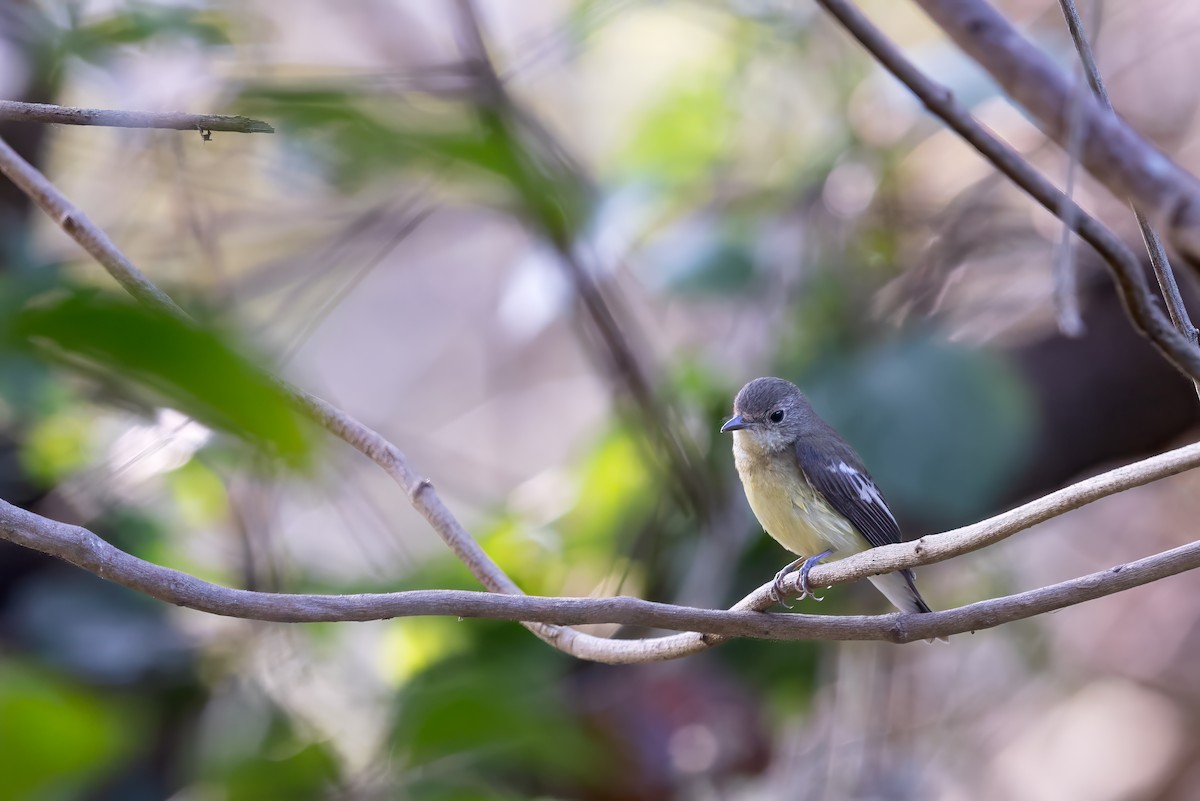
(809, 489)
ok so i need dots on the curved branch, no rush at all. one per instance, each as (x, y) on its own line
(16, 111)
(420, 491)
(1115, 154)
(547, 615)
(705, 627)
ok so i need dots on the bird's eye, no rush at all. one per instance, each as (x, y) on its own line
(776, 416)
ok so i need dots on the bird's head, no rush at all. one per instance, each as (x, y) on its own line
(770, 414)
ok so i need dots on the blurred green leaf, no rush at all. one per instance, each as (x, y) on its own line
(95, 40)
(941, 427)
(56, 736)
(704, 263)
(307, 773)
(248, 748)
(57, 445)
(358, 137)
(199, 493)
(191, 368)
(617, 488)
(678, 141)
(26, 385)
(728, 267)
(500, 711)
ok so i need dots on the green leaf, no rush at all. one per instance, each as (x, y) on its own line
(55, 736)
(357, 139)
(95, 40)
(685, 133)
(191, 368)
(704, 264)
(307, 773)
(616, 488)
(942, 428)
(57, 445)
(497, 713)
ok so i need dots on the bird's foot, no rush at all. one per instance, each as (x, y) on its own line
(805, 564)
(777, 584)
(805, 590)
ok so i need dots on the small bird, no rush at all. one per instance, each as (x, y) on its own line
(809, 489)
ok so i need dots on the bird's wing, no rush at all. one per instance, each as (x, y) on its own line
(851, 491)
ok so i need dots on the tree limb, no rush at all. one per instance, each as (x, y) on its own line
(1161, 265)
(705, 627)
(1116, 155)
(16, 111)
(1126, 270)
(545, 616)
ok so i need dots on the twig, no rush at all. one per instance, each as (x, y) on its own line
(1116, 155)
(77, 226)
(1066, 271)
(1154, 246)
(391, 459)
(1131, 282)
(16, 111)
(705, 627)
(95, 554)
(607, 317)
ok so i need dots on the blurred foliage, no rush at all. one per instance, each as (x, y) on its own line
(301, 772)
(58, 445)
(500, 708)
(199, 493)
(943, 428)
(103, 678)
(191, 368)
(69, 33)
(685, 134)
(56, 736)
(358, 139)
(707, 262)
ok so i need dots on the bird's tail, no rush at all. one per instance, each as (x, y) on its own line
(901, 589)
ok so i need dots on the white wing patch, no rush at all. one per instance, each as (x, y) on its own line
(867, 491)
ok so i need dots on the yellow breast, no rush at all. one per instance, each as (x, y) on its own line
(788, 507)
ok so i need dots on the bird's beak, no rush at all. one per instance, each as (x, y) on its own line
(736, 424)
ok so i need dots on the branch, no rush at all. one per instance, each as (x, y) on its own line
(609, 320)
(1154, 246)
(363, 439)
(545, 616)
(706, 627)
(1066, 271)
(1116, 155)
(1138, 300)
(16, 111)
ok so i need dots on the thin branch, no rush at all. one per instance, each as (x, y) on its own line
(79, 227)
(1127, 272)
(92, 553)
(609, 320)
(97, 554)
(1066, 270)
(1116, 155)
(16, 111)
(420, 491)
(1154, 246)
(705, 627)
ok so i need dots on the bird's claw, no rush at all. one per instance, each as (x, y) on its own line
(777, 584)
(805, 590)
(805, 565)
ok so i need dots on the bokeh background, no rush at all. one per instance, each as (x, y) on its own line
(544, 278)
